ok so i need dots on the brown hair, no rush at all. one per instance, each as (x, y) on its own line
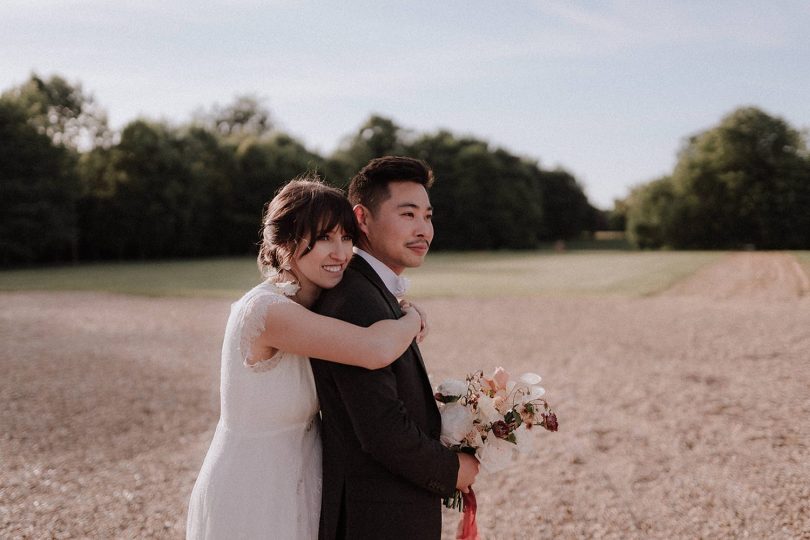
(302, 210)
(369, 187)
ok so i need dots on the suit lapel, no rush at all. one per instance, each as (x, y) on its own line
(359, 264)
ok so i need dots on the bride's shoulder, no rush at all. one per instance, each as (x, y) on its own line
(256, 302)
(266, 291)
(252, 315)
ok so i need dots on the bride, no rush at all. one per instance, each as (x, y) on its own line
(261, 477)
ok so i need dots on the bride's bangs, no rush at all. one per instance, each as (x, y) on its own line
(328, 210)
(338, 213)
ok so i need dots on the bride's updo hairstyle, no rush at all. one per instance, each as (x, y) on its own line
(304, 209)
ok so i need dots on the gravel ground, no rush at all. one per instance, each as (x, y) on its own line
(682, 415)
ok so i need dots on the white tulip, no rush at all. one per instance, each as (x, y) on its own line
(525, 439)
(487, 410)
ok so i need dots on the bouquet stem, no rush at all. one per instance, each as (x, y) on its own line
(455, 501)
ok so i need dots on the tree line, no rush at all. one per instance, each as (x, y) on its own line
(72, 189)
(744, 183)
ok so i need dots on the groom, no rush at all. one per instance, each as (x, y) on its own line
(384, 469)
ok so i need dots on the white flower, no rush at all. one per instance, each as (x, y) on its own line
(457, 422)
(452, 387)
(524, 438)
(526, 388)
(487, 410)
(288, 288)
(530, 379)
(495, 454)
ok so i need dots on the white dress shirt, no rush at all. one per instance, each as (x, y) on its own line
(397, 285)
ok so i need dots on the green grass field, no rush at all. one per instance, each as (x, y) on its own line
(569, 274)
(444, 274)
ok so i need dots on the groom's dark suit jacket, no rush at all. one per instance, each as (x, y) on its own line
(384, 469)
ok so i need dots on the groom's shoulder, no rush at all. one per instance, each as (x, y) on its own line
(352, 282)
(353, 290)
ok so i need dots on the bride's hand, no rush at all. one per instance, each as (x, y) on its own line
(423, 332)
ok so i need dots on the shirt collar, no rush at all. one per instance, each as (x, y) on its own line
(397, 285)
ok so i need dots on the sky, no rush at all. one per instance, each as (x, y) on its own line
(607, 90)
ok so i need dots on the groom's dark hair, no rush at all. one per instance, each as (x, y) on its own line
(369, 187)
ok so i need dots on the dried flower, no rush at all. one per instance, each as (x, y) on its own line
(500, 429)
(550, 421)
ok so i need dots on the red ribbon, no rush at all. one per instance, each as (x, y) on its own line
(467, 527)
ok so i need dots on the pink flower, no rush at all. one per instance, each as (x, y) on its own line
(497, 381)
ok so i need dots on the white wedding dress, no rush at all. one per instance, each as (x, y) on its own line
(261, 477)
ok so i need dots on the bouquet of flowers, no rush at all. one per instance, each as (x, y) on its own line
(493, 418)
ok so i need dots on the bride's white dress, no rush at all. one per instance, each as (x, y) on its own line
(261, 477)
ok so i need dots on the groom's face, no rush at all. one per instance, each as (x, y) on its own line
(400, 230)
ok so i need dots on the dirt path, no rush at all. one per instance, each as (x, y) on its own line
(682, 415)
(760, 276)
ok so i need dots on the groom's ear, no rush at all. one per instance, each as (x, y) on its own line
(361, 215)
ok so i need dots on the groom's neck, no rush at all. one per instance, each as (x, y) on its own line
(370, 250)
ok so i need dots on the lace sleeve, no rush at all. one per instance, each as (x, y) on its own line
(252, 324)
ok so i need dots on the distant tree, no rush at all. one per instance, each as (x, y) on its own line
(246, 116)
(63, 111)
(617, 217)
(456, 196)
(212, 169)
(98, 208)
(484, 199)
(651, 214)
(566, 210)
(746, 181)
(512, 201)
(158, 207)
(188, 191)
(378, 136)
(261, 168)
(37, 193)
(75, 189)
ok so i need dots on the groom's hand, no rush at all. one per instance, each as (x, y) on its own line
(467, 471)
